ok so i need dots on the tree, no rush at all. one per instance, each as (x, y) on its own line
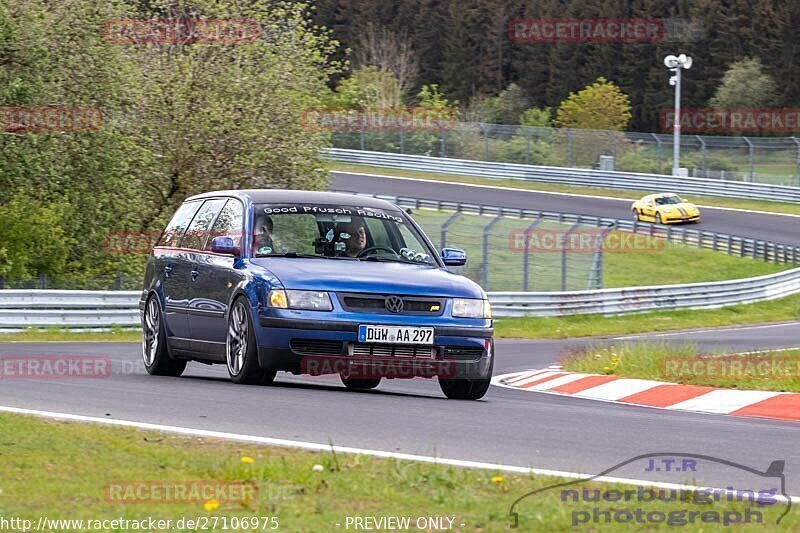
(388, 51)
(745, 84)
(540, 117)
(600, 106)
(369, 87)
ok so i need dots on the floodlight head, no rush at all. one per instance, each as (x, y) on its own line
(682, 58)
(688, 63)
(671, 61)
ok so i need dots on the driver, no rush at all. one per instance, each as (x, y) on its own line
(356, 239)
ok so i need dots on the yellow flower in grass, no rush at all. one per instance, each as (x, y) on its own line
(211, 505)
(248, 460)
(497, 480)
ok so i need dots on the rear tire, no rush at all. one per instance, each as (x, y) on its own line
(464, 389)
(241, 351)
(358, 383)
(636, 216)
(156, 358)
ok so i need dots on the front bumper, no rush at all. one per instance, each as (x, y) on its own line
(318, 347)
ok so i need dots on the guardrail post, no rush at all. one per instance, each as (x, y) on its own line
(714, 241)
(658, 151)
(703, 152)
(485, 267)
(751, 156)
(445, 225)
(526, 256)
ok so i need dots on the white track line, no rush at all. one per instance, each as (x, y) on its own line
(614, 198)
(706, 330)
(359, 451)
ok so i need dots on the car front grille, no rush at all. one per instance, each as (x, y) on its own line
(376, 303)
(462, 353)
(393, 350)
(317, 347)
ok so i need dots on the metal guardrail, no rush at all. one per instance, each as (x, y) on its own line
(639, 299)
(731, 244)
(26, 308)
(86, 309)
(569, 176)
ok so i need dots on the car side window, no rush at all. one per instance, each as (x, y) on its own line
(177, 226)
(197, 232)
(377, 230)
(229, 224)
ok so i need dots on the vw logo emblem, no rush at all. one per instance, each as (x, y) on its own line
(394, 304)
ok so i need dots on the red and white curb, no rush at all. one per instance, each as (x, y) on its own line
(658, 394)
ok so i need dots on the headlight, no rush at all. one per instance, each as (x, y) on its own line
(471, 308)
(309, 300)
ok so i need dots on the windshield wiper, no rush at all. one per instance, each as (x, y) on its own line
(299, 255)
(383, 259)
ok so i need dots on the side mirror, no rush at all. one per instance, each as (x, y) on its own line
(454, 257)
(224, 245)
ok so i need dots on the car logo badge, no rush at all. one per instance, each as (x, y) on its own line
(394, 304)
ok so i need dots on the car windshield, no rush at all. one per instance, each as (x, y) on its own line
(349, 232)
(668, 200)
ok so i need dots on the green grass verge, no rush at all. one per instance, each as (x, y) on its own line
(64, 335)
(738, 203)
(80, 471)
(682, 363)
(783, 309)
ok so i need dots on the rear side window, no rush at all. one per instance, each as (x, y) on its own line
(229, 224)
(174, 231)
(197, 233)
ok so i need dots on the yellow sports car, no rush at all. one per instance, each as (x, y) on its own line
(666, 208)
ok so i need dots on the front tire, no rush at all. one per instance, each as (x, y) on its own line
(156, 358)
(658, 219)
(464, 389)
(241, 351)
(358, 383)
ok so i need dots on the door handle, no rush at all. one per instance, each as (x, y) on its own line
(167, 271)
(195, 273)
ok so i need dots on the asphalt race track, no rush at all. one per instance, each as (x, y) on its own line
(771, 227)
(412, 416)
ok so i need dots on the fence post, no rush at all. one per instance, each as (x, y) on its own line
(751, 156)
(445, 225)
(526, 256)
(485, 142)
(527, 146)
(703, 152)
(486, 233)
(797, 142)
(658, 151)
(569, 147)
(613, 146)
(441, 137)
(361, 135)
(402, 139)
(564, 240)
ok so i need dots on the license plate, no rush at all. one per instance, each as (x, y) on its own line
(395, 334)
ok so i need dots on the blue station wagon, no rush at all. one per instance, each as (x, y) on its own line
(312, 283)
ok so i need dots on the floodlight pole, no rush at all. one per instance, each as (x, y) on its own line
(676, 128)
